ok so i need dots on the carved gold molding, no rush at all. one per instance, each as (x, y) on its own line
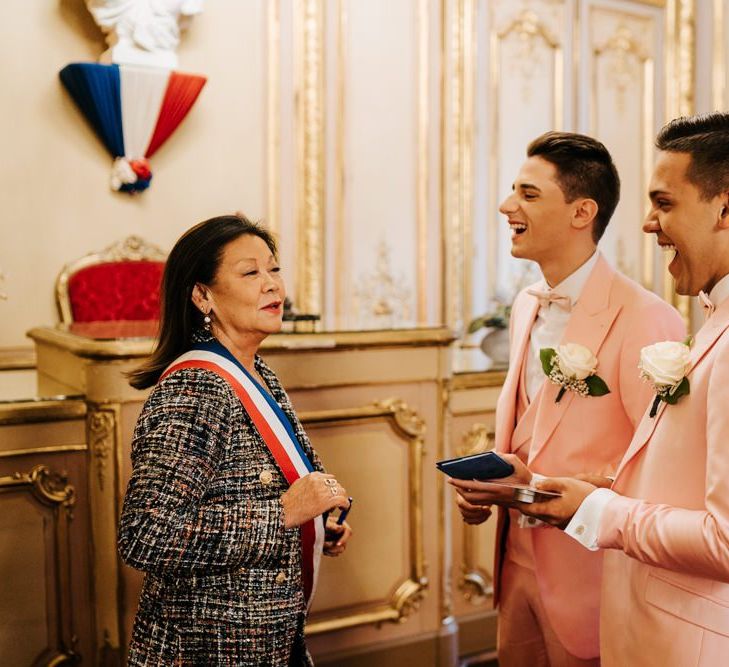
(104, 437)
(17, 358)
(273, 113)
(458, 53)
(55, 449)
(383, 301)
(101, 442)
(475, 583)
(407, 423)
(309, 121)
(52, 489)
(33, 412)
(341, 259)
(131, 249)
(421, 201)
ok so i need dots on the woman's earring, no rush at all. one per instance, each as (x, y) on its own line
(207, 321)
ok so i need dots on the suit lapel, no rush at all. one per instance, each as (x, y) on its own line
(589, 323)
(523, 320)
(705, 339)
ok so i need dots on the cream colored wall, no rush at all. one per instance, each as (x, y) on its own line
(356, 128)
(56, 202)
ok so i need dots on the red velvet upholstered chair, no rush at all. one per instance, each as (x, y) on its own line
(120, 283)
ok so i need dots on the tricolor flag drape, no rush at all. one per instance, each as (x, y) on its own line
(133, 110)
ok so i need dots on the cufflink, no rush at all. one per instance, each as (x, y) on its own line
(266, 477)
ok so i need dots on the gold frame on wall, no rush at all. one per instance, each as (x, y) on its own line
(409, 425)
(51, 489)
(458, 52)
(310, 138)
(475, 584)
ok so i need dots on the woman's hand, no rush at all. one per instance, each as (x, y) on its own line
(337, 536)
(311, 496)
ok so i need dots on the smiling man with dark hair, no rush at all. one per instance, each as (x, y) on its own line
(665, 522)
(547, 586)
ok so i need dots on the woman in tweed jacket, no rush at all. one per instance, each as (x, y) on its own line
(208, 514)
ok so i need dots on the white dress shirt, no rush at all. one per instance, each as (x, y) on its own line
(551, 322)
(585, 524)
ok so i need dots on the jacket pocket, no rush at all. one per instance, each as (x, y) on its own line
(687, 605)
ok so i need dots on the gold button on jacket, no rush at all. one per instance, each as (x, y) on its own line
(281, 577)
(266, 477)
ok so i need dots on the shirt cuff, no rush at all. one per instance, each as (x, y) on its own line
(585, 524)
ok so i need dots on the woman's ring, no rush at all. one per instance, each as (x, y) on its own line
(330, 482)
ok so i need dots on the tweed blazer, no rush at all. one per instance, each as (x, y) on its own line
(202, 518)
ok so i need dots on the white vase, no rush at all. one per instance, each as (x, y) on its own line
(495, 344)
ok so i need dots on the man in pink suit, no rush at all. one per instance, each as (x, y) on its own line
(665, 521)
(547, 585)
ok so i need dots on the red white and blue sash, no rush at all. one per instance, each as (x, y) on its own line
(277, 432)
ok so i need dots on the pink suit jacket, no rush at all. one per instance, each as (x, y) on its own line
(614, 317)
(666, 579)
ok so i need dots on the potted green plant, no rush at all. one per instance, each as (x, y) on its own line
(495, 343)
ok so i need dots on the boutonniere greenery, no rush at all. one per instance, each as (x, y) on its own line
(664, 365)
(573, 367)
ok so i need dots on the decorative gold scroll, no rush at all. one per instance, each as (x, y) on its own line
(406, 598)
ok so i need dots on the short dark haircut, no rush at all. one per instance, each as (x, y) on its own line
(195, 258)
(706, 139)
(584, 169)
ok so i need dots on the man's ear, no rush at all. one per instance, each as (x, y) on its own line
(723, 221)
(201, 298)
(585, 213)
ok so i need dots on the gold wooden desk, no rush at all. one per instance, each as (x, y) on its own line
(381, 407)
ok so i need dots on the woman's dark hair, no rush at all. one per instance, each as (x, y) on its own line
(584, 169)
(195, 258)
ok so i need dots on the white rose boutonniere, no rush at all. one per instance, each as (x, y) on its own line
(664, 365)
(573, 367)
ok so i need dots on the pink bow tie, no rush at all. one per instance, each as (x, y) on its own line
(545, 297)
(707, 304)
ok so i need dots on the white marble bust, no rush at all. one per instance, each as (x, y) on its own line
(143, 32)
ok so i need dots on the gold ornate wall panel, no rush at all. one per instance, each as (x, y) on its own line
(380, 208)
(386, 575)
(624, 47)
(45, 596)
(615, 69)
(36, 598)
(529, 61)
